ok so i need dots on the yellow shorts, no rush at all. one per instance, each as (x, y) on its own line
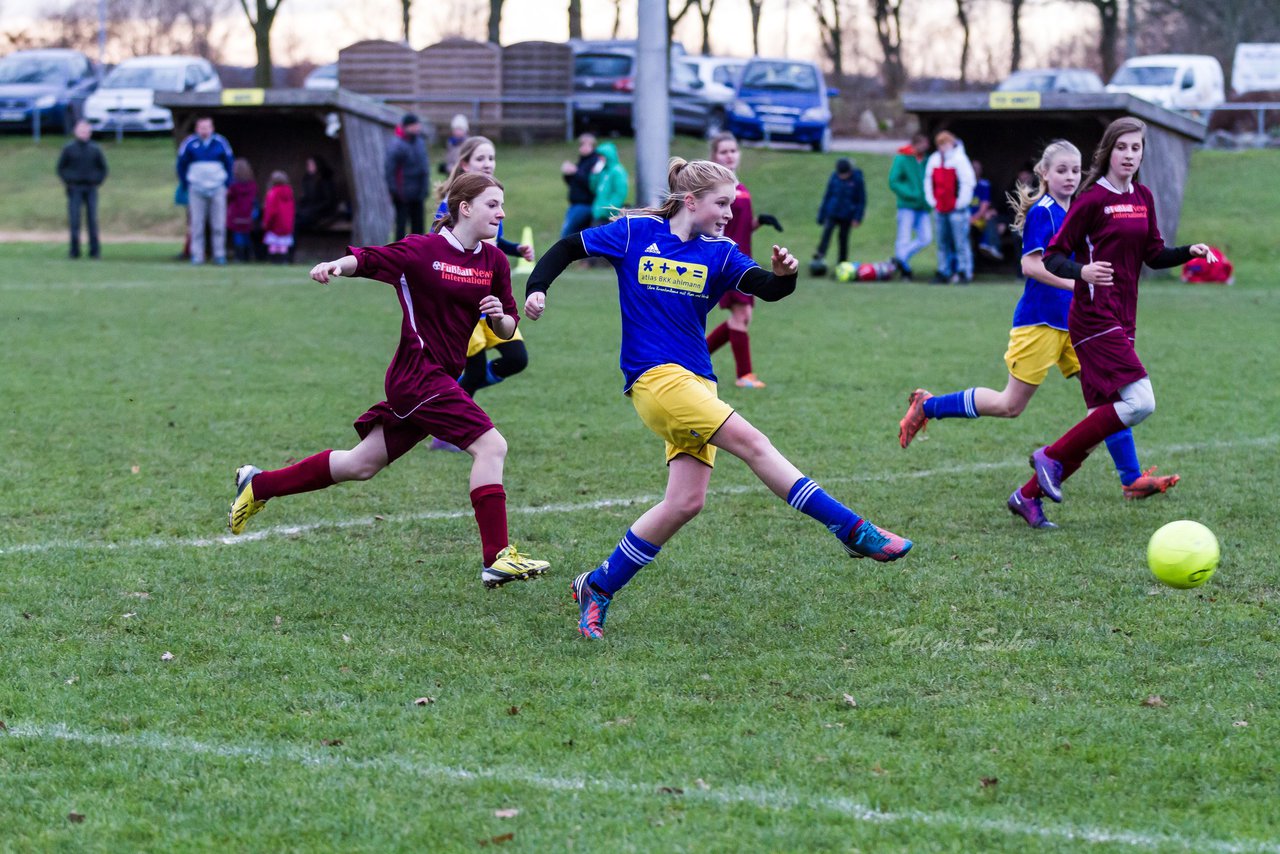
(1033, 350)
(484, 338)
(682, 408)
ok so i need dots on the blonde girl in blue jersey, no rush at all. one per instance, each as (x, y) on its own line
(1038, 340)
(673, 264)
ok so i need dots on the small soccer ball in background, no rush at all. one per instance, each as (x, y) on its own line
(1183, 554)
(866, 272)
(846, 272)
(817, 267)
(886, 270)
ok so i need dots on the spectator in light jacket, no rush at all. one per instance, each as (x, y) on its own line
(948, 187)
(906, 180)
(82, 168)
(205, 165)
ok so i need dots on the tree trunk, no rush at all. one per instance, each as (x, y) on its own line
(617, 18)
(755, 25)
(888, 15)
(495, 21)
(404, 17)
(705, 14)
(261, 25)
(1109, 12)
(1016, 21)
(832, 34)
(575, 19)
(963, 15)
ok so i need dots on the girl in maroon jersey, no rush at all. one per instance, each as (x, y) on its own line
(1112, 227)
(725, 151)
(444, 281)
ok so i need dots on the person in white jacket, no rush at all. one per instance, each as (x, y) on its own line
(948, 187)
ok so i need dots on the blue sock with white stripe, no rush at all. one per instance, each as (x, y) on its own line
(1124, 453)
(631, 555)
(958, 404)
(807, 497)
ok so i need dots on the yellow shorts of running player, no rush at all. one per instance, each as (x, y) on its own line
(682, 408)
(483, 338)
(1033, 350)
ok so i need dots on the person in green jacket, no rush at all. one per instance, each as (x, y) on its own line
(906, 179)
(610, 184)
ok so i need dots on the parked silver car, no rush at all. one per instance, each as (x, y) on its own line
(604, 82)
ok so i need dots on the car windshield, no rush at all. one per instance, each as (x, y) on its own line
(780, 76)
(726, 74)
(1145, 75)
(1028, 82)
(144, 77)
(26, 69)
(601, 65)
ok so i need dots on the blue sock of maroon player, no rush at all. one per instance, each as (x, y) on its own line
(307, 476)
(809, 498)
(1124, 453)
(490, 504)
(631, 555)
(957, 404)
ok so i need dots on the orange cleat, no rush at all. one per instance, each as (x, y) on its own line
(914, 421)
(1149, 484)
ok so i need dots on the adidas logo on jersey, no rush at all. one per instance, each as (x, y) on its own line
(653, 247)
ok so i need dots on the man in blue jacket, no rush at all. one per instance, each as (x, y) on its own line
(204, 172)
(408, 176)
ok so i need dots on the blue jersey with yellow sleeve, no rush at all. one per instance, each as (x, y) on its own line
(1041, 304)
(666, 287)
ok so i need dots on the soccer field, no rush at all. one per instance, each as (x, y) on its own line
(165, 687)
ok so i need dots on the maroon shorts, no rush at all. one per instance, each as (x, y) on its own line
(1108, 363)
(447, 413)
(736, 297)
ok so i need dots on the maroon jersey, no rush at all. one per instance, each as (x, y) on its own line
(440, 286)
(744, 221)
(1107, 225)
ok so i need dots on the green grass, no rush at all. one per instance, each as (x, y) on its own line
(712, 717)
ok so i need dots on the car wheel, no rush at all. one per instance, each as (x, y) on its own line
(823, 143)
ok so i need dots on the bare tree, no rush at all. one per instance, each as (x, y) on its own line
(575, 19)
(140, 27)
(888, 15)
(1181, 26)
(756, 7)
(831, 32)
(962, 15)
(1015, 20)
(705, 7)
(1109, 16)
(404, 17)
(261, 24)
(617, 18)
(495, 21)
(674, 18)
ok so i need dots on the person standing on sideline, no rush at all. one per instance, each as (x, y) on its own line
(82, 168)
(242, 209)
(444, 281)
(843, 205)
(673, 263)
(578, 177)
(408, 175)
(609, 185)
(948, 188)
(906, 180)
(459, 130)
(1112, 230)
(741, 306)
(205, 167)
(278, 214)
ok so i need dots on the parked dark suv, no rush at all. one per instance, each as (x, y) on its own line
(604, 85)
(51, 84)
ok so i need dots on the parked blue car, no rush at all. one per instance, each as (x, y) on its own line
(49, 83)
(783, 100)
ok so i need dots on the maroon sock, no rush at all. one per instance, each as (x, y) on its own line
(309, 475)
(1077, 442)
(490, 503)
(1031, 489)
(741, 344)
(718, 337)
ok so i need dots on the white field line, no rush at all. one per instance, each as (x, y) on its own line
(775, 800)
(587, 506)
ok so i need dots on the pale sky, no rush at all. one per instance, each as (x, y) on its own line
(314, 30)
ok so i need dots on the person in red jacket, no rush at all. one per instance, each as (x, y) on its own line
(242, 203)
(277, 219)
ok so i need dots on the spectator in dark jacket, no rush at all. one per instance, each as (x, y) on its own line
(318, 202)
(242, 202)
(842, 207)
(408, 176)
(82, 168)
(578, 177)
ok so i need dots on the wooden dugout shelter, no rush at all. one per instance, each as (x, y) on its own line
(1007, 130)
(281, 128)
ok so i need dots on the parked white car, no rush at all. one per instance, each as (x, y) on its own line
(719, 77)
(126, 97)
(1175, 81)
(324, 77)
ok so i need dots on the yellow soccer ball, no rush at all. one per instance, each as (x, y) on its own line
(1183, 554)
(846, 272)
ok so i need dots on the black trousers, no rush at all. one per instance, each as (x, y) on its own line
(83, 196)
(831, 224)
(409, 215)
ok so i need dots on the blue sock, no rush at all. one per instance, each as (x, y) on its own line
(807, 497)
(958, 404)
(1124, 453)
(490, 377)
(631, 555)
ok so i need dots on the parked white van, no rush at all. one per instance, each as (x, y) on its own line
(126, 97)
(1256, 68)
(1176, 81)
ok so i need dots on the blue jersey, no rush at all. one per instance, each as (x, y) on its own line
(1041, 304)
(666, 287)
